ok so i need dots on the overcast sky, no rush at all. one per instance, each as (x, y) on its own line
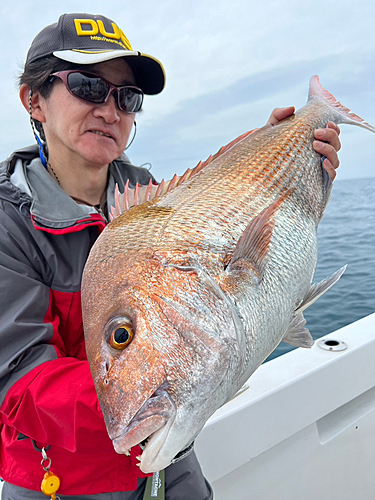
(228, 64)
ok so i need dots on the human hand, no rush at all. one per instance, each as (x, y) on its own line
(327, 141)
(279, 114)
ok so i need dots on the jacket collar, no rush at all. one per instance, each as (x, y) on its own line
(51, 208)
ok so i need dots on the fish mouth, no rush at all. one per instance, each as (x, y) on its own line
(149, 427)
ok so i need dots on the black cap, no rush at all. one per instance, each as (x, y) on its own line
(91, 39)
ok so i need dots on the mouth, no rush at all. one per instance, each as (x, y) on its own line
(149, 427)
(103, 134)
(139, 433)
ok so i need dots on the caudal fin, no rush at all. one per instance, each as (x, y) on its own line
(346, 116)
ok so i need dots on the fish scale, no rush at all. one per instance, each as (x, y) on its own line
(233, 198)
(207, 273)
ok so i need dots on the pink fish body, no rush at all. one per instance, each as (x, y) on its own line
(186, 294)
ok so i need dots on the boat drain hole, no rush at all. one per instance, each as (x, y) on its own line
(332, 345)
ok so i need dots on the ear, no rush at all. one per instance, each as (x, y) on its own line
(35, 102)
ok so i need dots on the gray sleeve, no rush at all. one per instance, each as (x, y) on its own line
(184, 480)
(24, 301)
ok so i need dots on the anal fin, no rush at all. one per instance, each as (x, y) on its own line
(297, 335)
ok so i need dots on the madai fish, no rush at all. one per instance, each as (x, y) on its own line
(196, 281)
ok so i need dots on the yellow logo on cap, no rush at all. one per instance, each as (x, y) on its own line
(97, 27)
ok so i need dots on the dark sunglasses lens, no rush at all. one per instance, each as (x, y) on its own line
(130, 99)
(89, 88)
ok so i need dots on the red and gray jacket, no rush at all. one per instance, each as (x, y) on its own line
(46, 390)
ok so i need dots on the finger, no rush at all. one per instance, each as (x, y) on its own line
(279, 114)
(328, 151)
(327, 165)
(328, 135)
(334, 127)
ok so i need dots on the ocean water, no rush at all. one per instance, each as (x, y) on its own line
(346, 235)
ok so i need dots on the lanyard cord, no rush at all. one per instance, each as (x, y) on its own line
(42, 154)
(155, 486)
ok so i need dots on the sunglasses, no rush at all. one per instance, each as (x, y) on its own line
(95, 89)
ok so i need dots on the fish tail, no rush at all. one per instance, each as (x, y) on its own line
(343, 114)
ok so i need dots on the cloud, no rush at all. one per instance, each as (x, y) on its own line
(228, 65)
(199, 126)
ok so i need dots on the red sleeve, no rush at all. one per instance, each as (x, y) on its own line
(56, 404)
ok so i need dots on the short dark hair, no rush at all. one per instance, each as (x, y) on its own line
(36, 75)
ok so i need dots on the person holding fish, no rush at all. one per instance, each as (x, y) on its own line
(82, 86)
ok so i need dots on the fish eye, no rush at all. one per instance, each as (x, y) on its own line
(121, 335)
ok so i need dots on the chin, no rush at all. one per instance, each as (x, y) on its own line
(100, 159)
(101, 152)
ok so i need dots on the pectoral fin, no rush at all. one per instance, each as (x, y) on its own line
(253, 246)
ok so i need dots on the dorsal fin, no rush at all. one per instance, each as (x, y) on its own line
(140, 194)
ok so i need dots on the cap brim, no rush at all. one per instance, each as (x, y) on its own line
(148, 71)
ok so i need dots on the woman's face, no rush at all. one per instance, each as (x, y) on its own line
(81, 131)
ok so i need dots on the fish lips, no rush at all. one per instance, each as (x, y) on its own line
(152, 422)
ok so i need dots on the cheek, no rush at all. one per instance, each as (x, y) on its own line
(127, 125)
(65, 129)
(60, 119)
(126, 131)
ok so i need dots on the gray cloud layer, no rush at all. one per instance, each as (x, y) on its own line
(228, 65)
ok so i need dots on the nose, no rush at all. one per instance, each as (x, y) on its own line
(108, 110)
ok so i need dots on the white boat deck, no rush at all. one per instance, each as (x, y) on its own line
(303, 430)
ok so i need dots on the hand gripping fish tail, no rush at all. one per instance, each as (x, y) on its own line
(196, 281)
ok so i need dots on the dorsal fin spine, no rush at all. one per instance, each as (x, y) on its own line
(148, 190)
(185, 176)
(140, 194)
(173, 182)
(116, 211)
(136, 194)
(126, 196)
(160, 188)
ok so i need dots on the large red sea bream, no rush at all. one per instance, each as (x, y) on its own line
(186, 294)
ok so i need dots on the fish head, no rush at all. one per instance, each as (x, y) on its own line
(161, 351)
